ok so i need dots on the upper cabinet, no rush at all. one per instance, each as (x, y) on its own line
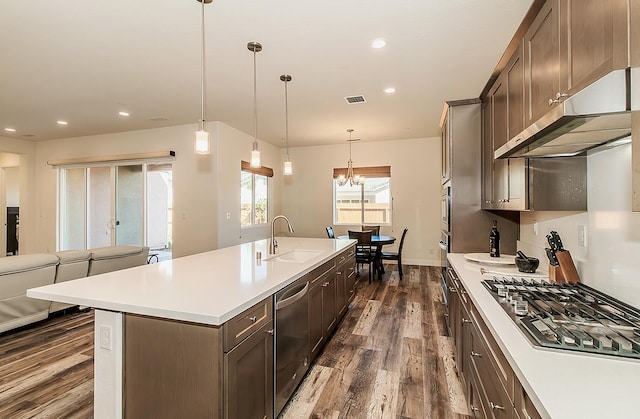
(569, 45)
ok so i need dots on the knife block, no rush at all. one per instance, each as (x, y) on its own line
(555, 274)
(567, 267)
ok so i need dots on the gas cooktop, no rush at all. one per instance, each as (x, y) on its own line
(569, 317)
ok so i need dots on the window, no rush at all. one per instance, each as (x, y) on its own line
(369, 203)
(254, 195)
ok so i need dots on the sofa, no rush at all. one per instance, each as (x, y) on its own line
(19, 273)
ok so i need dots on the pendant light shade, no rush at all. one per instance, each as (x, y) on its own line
(255, 47)
(202, 144)
(350, 177)
(288, 167)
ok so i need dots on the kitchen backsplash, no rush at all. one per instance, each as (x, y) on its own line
(610, 259)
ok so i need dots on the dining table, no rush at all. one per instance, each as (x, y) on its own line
(377, 241)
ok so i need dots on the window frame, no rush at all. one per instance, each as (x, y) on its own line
(262, 171)
(369, 173)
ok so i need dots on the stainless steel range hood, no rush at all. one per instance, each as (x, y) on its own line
(598, 114)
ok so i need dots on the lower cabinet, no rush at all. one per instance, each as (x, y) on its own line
(180, 369)
(248, 389)
(492, 388)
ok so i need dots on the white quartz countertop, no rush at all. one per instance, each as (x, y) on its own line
(209, 288)
(561, 384)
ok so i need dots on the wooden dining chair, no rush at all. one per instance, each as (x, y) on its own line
(365, 253)
(375, 230)
(396, 255)
(330, 232)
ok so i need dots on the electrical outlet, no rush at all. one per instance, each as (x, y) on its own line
(582, 236)
(106, 337)
(535, 229)
(228, 215)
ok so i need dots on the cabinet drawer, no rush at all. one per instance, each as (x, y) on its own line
(494, 354)
(344, 257)
(245, 323)
(524, 407)
(322, 272)
(496, 401)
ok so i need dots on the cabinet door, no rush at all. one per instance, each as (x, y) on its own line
(487, 158)
(329, 306)
(351, 281)
(446, 150)
(593, 36)
(499, 133)
(249, 376)
(515, 93)
(341, 291)
(517, 184)
(542, 62)
(316, 324)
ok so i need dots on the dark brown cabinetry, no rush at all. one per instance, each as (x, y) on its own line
(345, 281)
(249, 371)
(162, 380)
(503, 118)
(492, 389)
(569, 45)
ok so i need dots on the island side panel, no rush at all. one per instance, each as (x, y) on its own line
(172, 369)
(108, 362)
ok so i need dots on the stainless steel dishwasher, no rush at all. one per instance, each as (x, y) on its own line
(292, 340)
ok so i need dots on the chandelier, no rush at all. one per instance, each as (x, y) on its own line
(350, 177)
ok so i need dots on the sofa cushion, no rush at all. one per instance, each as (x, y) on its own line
(111, 252)
(23, 263)
(71, 256)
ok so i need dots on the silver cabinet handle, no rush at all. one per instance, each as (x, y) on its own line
(465, 320)
(452, 289)
(476, 354)
(338, 273)
(326, 284)
(253, 319)
(271, 332)
(474, 409)
(495, 406)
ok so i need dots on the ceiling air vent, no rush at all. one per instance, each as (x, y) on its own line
(28, 135)
(157, 119)
(355, 99)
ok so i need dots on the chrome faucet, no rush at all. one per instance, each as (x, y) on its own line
(274, 243)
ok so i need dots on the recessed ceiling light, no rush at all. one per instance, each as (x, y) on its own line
(390, 90)
(123, 113)
(10, 129)
(378, 43)
(62, 122)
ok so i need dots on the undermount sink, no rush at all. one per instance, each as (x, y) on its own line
(297, 255)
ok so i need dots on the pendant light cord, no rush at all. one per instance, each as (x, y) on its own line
(202, 73)
(255, 101)
(286, 121)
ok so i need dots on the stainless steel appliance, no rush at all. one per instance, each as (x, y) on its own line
(598, 114)
(569, 317)
(292, 340)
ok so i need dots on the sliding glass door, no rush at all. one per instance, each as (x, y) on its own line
(115, 204)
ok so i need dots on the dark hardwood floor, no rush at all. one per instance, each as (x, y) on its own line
(389, 358)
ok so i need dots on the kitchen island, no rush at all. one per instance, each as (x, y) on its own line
(199, 310)
(560, 384)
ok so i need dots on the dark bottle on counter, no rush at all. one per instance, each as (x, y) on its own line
(494, 241)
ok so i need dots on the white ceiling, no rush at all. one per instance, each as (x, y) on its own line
(83, 61)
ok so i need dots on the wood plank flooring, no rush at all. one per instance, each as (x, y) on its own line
(389, 358)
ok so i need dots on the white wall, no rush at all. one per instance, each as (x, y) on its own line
(12, 185)
(196, 179)
(610, 261)
(415, 184)
(25, 150)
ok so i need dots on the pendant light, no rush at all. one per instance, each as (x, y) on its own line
(351, 178)
(288, 167)
(202, 144)
(255, 47)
